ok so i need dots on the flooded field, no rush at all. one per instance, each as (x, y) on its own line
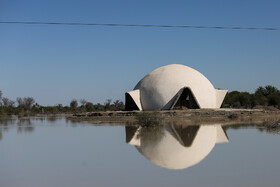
(57, 152)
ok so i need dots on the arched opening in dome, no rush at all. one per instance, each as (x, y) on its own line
(129, 103)
(185, 100)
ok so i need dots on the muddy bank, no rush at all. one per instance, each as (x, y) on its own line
(183, 117)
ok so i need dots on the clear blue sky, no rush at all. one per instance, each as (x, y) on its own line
(55, 64)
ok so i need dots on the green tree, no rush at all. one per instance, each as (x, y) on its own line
(107, 104)
(245, 99)
(20, 102)
(83, 102)
(28, 102)
(236, 99)
(99, 107)
(270, 90)
(232, 99)
(274, 99)
(7, 102)
(267, 96)
(89, 107)
(118, 105)
(74, 104)
(59, 107)
(260, 91)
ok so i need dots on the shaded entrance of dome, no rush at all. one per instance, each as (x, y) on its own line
(129, 103)
(185, 100)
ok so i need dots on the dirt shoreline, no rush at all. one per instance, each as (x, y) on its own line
(173, 117)
(183, 117)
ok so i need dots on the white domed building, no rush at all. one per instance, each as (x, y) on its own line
(174, 86)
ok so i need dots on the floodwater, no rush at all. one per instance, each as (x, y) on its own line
(56, 152)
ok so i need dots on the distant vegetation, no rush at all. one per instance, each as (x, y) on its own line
(28, 106)
(264, 97)
(268, 97)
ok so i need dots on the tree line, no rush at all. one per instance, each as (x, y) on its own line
(28, 106)
(268, 96)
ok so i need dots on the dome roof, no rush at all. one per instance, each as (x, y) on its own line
(158, 89)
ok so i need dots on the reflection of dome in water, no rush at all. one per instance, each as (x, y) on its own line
(179, 148)
(170, 86)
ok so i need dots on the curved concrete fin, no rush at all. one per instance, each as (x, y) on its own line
(135, 95)
(220, 96)
(221, 135)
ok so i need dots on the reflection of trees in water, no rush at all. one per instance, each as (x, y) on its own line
(4, 125)
(25, 125)
(7, 121)
(41, 119)
(268, 127)
(24, 121)
(273, 128)
(78, 123)
(151, 134)
(52, 119)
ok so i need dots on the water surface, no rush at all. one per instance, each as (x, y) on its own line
(57, 152)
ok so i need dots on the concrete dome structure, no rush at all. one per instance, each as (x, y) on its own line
(177, 147)
(174, 86)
